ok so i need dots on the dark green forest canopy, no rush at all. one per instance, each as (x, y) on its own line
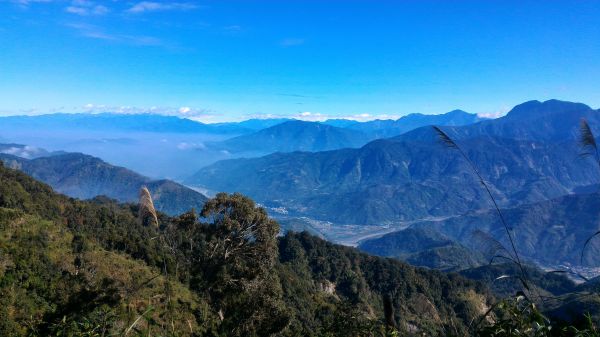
(68, 266)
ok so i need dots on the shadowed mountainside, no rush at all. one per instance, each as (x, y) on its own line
(550, 232)
(424, 247)
(413, 176)
(81, 176)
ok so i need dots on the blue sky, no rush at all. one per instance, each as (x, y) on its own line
(229, 60)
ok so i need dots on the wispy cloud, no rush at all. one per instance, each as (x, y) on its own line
(291, 42)
(28, 2)
(91, 31)
(233, 28)
(151, 6)
(95, 32)
(299, 96)
(320, 117)
(85, 8)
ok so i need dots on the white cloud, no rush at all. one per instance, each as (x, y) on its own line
(85, 8)
(319, 117)
(186, 146)
(186, 112)
(25, 151)
(494, 114)
(151, 6)
(76, 10)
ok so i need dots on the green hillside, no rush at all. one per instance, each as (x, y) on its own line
(88, 268)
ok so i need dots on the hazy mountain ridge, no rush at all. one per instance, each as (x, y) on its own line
(254, 124)
(145, 122)
(291, 136)
(414, 176)
(389, 128)
(296, 135)
(81, 176)
(130, 140)
(388, 180)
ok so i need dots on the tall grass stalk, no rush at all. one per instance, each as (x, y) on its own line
(147, 210)
(587, 141)
(450, 143)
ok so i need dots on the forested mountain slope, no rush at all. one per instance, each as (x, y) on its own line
(550, 232)
(81, 176)
(387, 181)
(75, 267)
(423, 246)
(530, 155)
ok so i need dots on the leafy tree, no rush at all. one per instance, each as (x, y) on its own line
(237, 266)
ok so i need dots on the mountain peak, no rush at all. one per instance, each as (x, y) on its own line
(458, 112)
(534, 109)
(294, 135)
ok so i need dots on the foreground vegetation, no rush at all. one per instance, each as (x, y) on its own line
(98, 268)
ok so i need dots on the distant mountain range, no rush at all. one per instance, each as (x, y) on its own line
(293, 136)
(85, 177)
(549, 121)
(341, 123)
(172, 124)
(254, 124)
(413, 176)
(131, 140)
(115, 121)
(389, 128)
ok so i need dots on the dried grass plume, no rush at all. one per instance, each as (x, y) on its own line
(147, 211)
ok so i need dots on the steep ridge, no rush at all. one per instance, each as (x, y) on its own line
(81, 176)
(390, 180)
(529, 155)
(551, 232)
(549, 121)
